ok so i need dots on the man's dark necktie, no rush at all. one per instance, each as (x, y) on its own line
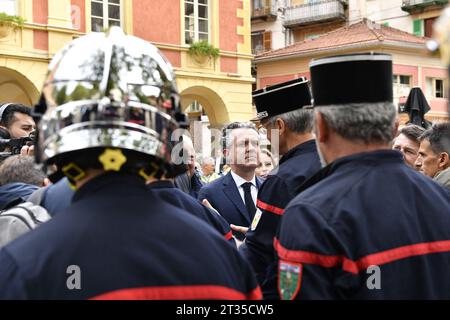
(249, 204)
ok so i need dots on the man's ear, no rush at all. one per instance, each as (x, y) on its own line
(46, 182)
(280, 125)
(322, 129)
(444, 161)
(395, 132)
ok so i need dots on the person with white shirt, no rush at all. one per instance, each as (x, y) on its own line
(234, 195)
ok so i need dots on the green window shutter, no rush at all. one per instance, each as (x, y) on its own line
(418, 27)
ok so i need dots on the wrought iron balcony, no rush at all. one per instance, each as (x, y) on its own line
(264, 10)
(414, 6)
(316, 12)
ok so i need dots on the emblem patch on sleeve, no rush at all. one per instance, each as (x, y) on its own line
(256, 219)
(289, 279)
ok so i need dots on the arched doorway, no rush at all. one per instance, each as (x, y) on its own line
(211, 102)
(205, 133)
(15, 87)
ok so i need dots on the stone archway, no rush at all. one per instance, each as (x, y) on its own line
(213, 104)
(217, 113)
(15, 87)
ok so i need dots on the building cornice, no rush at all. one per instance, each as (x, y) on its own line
(364, 45)
(26, 55)
(45, 27)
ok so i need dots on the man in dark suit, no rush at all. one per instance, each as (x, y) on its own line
(234, 195)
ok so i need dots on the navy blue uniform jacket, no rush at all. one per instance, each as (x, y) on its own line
(128, 244)
(167, 191)
(296, 166)
(224, 196)
(366, 216)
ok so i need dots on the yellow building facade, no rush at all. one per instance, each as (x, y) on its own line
(23, 62)
(222, 85)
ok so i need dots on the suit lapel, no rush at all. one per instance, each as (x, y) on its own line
(231, 191)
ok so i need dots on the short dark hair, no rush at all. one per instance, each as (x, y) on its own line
(412, 132)
(20, 168)
(8, 115)
(235, 125)
(439, 137)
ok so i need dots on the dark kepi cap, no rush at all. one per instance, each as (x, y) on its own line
(356, 78)
(281, 98)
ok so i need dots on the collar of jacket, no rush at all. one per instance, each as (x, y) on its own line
(308, 146)
(109, 183)
(443, 177)
(373, 157)
(161, 184)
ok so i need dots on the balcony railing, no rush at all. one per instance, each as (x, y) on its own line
(311, 13)
(264, 10)
(413, 6)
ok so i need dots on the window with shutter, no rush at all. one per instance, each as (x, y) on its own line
(267, 40)
(257, 42)
(417, 27)
(429, 27)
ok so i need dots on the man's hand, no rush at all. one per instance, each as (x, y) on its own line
(27, 151)
(208, 205)
(239, 228)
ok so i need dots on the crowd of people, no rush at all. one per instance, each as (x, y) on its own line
(351, 191)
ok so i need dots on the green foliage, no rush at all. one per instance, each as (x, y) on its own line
(203, 48)
(6, 19)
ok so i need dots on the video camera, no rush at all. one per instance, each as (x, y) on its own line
(13, 146)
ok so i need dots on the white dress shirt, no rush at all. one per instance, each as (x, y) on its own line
(239, 181)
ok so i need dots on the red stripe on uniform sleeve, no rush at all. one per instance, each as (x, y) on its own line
(270, 208)
(377, 259)
(306, 257)
(228, 236)
(255, 294)
(396, 254)
(180, 293)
